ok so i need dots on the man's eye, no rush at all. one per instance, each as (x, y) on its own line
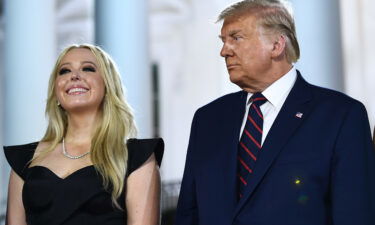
(63, 71)
(89, 69)
(236, 38)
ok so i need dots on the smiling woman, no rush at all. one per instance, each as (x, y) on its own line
(79, 84)
(85, 169)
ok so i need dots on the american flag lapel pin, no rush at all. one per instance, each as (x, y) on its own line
(299, 115)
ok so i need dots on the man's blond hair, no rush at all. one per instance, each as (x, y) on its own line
(273, 16)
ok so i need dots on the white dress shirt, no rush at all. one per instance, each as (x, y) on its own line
(276, 95)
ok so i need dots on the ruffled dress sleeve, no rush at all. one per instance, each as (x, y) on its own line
(139, 150)
(19, 157)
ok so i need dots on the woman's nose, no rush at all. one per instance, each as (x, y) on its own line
(75, 76)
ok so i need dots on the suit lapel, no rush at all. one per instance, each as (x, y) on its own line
(283, 128)
(229, 139)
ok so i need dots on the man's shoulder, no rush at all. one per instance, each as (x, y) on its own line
(326, 95)
(322, 95)
(224, 101)
(336, 102)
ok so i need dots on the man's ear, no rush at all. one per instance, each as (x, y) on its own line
(279, 46)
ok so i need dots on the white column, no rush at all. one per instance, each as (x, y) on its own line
(122, 30)
(29, 58)
(29, 54)
(319, 36)
(358, 32)
(4, 169)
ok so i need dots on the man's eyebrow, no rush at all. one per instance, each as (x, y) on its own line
(231, 33)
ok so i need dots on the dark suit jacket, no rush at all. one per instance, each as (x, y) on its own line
(315, 170)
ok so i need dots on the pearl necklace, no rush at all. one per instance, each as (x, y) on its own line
(66, 154)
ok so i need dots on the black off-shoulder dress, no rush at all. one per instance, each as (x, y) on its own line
(79, 198)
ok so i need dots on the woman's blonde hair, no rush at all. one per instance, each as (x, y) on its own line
(109, 153)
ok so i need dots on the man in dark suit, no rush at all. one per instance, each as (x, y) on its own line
(281, 151)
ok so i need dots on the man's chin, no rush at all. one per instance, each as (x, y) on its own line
(235, 79)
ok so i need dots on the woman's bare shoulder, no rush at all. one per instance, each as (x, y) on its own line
(42, 145)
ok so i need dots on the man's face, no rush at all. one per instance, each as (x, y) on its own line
(247, 53)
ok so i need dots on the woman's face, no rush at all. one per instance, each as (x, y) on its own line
(79, 84)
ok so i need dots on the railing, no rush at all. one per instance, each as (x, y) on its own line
(2, 219)
(2, 211)
(169, 197)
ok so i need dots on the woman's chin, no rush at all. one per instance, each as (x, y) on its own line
(81, 107)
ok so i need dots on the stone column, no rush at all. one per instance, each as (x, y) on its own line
(121, 28)
(29, 55)
(319, 36)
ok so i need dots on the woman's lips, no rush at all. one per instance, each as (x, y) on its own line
(77, 91)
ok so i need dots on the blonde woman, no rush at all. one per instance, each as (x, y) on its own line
(85, 170)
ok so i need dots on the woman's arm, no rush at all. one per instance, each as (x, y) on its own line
(15, 210)
(143, 194)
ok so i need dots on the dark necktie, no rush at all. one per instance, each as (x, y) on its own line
(250, 142)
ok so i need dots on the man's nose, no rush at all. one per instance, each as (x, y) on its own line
(226, 50)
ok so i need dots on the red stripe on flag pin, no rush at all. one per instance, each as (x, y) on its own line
(299, 115)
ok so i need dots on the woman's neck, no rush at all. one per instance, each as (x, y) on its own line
(81, 128)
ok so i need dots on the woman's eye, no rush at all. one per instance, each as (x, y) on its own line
(63, 71)
(89, 69)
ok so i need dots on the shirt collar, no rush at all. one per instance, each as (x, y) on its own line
(278, 90)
